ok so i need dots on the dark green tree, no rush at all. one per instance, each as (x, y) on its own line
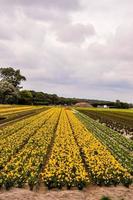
(8, 93)
(12, 76)
(25, 97)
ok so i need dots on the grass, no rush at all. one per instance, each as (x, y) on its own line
(105, 198)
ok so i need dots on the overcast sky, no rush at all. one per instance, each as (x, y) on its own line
(74, 48)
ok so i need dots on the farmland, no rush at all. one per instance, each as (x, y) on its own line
(11, 113)
(119, 120)
(119, 146)
(60, 147)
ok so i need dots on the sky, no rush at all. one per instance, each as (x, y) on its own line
(74, 48)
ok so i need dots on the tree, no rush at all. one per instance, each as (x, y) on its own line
(54, 98)
(38, 98)
(25, 97)
(12, 76)
(8, 93)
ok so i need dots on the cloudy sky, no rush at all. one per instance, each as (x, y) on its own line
(74, 48)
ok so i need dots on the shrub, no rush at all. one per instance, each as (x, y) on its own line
(105, 198)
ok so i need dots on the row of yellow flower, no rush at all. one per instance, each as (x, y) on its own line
(76, 157)
(12, 129)
(120, 147)
(65, 166)
(14, 142)
(102, 166)
(26, 165)
(9, 108)
(15, 109)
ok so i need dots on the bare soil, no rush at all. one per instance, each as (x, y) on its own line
(90, 193)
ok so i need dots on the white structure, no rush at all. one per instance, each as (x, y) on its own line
(104, 106)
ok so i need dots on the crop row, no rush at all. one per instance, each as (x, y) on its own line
(5, 108)
(56, 149)
(120, 147)
(101, 164)
(14, 128)
(117, 120)
(26, 166)
(12, 113)
(65, 166)
(126, 143)
(15, 109)
(14, 142)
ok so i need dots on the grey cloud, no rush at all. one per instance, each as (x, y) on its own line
(59, 4)
(5, 34)
(52, 43)
(6, 29)
(5, 52)
(45, 11)
(118, 47)
(75, 33)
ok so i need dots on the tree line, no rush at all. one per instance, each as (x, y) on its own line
(11, 93)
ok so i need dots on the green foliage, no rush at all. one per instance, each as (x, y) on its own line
(12, 76)
(25, 97)
(8, 93)
(117, 104)
(9, 85)
(40, 98)
(116, 119)
(119, 146)
(105, 198)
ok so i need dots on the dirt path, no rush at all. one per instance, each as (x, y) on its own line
(91, 193)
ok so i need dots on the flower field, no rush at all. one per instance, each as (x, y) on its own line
(5, 111)
(54, 148)
(103, 167)
(120, 147)
(26, 151)
(117, 119)
(65, 166)
(13, 113)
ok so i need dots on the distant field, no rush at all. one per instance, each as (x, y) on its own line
(14, 112)
(60, 147)
(120, 120)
